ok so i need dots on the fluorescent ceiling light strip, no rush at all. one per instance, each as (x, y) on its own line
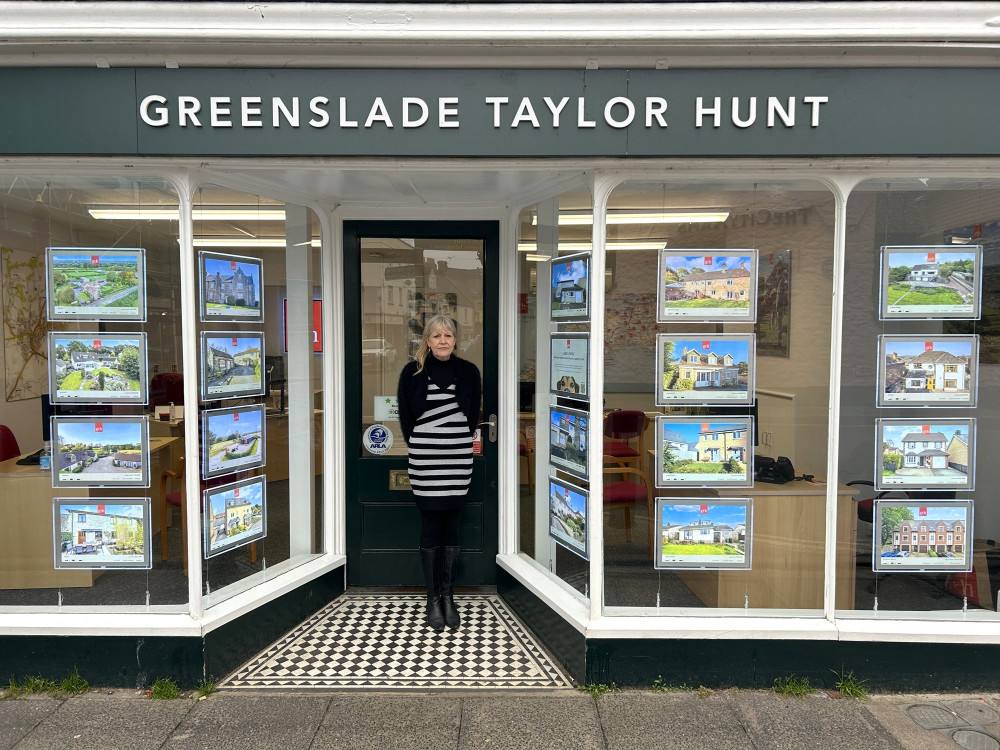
(200, 214)
(530, 247)
(245, 242)
(537, 258)
(707, 216)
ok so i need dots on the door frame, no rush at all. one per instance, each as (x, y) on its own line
(351, 230)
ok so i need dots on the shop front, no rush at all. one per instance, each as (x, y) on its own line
(735, 328)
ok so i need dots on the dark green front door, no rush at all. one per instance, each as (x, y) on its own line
(397, 275)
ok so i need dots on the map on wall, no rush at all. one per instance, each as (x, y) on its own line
(24, 324)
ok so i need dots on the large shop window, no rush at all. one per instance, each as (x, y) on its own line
(554, 435)
(919, 398)
(261, 359)
(716, 361)
(92, 338)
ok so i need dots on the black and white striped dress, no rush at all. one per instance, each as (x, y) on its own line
(440, 461)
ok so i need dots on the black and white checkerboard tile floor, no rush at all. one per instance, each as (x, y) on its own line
(382, 641)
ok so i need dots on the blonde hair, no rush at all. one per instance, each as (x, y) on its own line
(430, 328)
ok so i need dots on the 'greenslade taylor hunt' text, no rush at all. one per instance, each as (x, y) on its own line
(408, 112)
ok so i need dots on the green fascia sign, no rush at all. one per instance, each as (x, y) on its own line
(501, 113)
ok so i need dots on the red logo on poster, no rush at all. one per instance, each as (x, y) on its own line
(708, 260)
(232, 265)
(704, 426)
(925, 429)
(928, 346)
(931, 257)
(235, 342)
(569, 343)
(317, 324)
(236, 492)
(567, 267)
(922, 511)
(236, 416)
(703, 509)
(706, 345)
(97, 344)
(95, 260)
(477, 442)
(98, 426)
(100, 510)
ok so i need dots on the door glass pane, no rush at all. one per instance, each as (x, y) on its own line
(404, 283)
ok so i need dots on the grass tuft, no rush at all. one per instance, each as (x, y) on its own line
(659, 686)
(596, 689)
(207, 687)
(792, 685)
(704, 692)
(850, 686)
(164, 689)
(74, 684)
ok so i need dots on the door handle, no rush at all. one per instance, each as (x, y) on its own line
(492, 432)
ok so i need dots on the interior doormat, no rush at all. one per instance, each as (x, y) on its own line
(382, 641)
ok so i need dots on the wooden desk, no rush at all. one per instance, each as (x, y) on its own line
(27, 559)
(787, 548)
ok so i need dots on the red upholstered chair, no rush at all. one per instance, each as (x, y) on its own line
(621, 428)
(8, 444)
(626, 492)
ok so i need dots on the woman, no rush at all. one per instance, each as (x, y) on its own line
(438, 397)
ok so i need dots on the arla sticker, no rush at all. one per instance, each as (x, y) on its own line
(377, 439)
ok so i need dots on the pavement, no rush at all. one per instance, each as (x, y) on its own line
(541, 720)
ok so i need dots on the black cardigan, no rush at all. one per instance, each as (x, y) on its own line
(412, 393)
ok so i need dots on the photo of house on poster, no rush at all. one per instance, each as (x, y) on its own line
(232, 440)
(569, 437)
(96, 283)
(236, 515)
(231, 365)
(707, 285)
(931, 282)
(568, 369)
(570, 288)
(695, 453)
(929, 453)
(230, 288)
(933, 536)
(100, 452)
(704, 368)
(101, 532)
(704, 533)
(927, 370)
(97, 368)
(568, 516)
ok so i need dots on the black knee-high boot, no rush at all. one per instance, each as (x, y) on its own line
(449, 572)
(429, 559)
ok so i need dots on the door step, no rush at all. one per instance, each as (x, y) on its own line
(365, 640)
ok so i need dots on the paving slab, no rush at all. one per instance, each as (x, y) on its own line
(18, 717)
(120, 721)
(389, 722)
(531, 723)
(250, 720)
(890, 712)
(671, 721)
(777, 722)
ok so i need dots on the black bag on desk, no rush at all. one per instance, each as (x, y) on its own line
(774, 471)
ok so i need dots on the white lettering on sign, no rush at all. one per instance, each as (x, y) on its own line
(376, 112)
(743, 111)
